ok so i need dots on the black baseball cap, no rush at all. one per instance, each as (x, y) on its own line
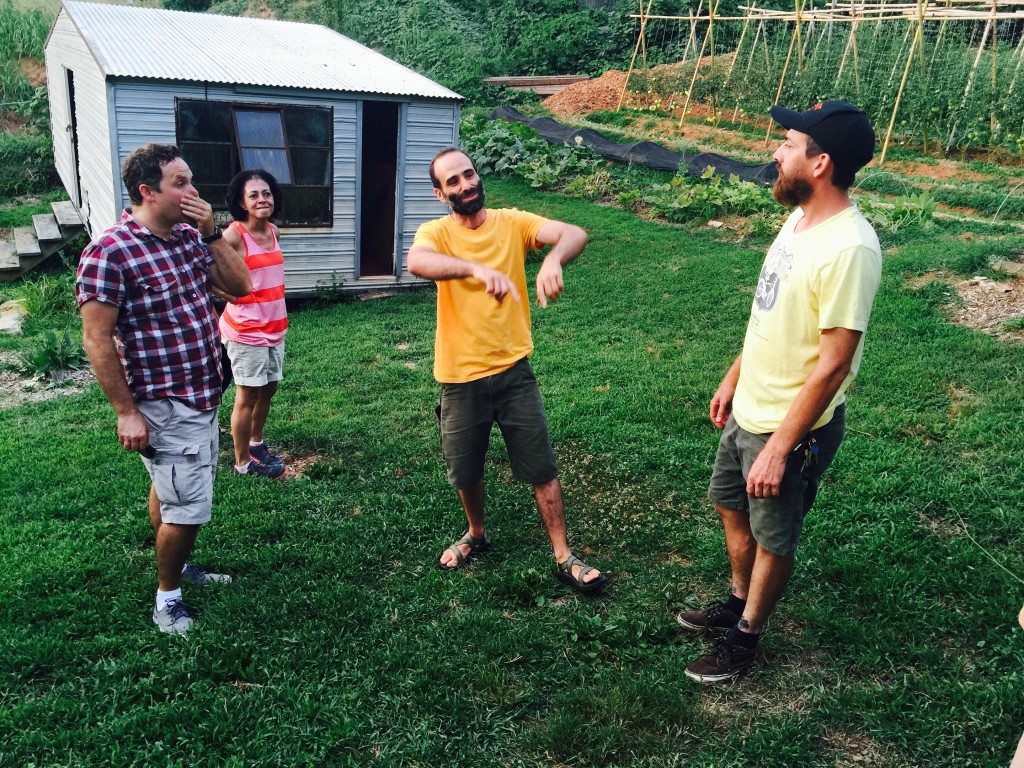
(839, 128)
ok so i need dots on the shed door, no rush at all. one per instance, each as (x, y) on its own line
(378, 188)
(73, 130)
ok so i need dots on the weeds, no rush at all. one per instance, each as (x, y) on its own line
(50, 357)
(689, 199)
(50, 296)
(22, 35)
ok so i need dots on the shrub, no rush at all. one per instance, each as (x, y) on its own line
(686, 198)
(50, 356)
(26, 163)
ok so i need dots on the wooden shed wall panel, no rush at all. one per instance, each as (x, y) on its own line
(65, 49)
(311, 255)
(429, 128)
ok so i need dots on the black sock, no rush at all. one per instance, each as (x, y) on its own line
(736, 605)
(742, 639)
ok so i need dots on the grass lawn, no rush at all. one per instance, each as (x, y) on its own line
(341, 643)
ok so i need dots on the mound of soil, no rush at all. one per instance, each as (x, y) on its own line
(35, 71)
(586, 96)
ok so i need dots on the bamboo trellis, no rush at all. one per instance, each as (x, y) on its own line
(915, 15)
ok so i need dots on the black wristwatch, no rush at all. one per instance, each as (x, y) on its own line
(213, 236)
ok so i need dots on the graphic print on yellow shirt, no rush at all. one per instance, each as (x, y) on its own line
(476, 335)
(824, 277)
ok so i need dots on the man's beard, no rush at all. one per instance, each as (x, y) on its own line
(791, 190)
(473, 206)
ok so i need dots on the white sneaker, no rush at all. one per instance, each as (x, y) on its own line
(175, 617)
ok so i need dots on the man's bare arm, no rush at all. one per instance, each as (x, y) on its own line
(836, 349)
(568, 242)
(721, 401)
(228, 271)
(429, 264)
(98, 323)
(232, 238)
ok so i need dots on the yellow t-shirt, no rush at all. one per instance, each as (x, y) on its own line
(477, 336)
(824, 277)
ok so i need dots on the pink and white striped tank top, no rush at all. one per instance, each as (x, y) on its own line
(259, 319)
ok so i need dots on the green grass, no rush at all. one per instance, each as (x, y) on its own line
(22, 34)
(340, 643)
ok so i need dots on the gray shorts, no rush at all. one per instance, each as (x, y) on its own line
(776, 521)
(185, 464)
(254, 366)
(511, 398)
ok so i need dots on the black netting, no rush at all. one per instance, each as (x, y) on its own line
(639, 153)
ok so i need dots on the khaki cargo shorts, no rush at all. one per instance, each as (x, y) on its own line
(185, 463)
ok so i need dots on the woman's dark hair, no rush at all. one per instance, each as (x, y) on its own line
(236, 193)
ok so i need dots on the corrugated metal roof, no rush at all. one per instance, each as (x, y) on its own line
(199, 47)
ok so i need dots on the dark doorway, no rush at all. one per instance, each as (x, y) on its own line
(378, 188)
(73, 127)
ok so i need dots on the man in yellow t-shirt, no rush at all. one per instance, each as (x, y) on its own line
(477, 257)
(781, 406)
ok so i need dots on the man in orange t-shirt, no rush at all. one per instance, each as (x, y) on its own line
(477, 257)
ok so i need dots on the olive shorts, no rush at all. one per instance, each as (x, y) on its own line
(185, 461)
(776, 521)
(510, 398)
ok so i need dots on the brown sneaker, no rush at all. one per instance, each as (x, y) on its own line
(723, 662)
(716, 619)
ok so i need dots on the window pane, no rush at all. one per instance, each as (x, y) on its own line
(214, 194)
(203, 121)
(273, 160)
(308, 206)
(259, 129)
(210, 163)
(308, 127)
(312, 166)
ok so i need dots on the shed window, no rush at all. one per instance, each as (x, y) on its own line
(219, 139)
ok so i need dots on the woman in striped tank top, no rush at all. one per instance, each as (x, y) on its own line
(253, 327)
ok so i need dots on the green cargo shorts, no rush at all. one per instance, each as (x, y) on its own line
(776, 522)
(510, 398)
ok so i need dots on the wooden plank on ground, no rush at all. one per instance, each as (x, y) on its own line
(26, 242)
(9, 255)
(522, 81)
(46, 227)
(66, 214)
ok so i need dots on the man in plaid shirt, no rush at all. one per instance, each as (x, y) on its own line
(150, 330)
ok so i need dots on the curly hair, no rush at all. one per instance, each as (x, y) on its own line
(236, 193)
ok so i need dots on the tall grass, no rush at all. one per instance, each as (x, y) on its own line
(22, 35)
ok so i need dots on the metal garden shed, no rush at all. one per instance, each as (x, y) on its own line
(348, 132)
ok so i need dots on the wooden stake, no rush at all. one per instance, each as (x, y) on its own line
(1016, 68)
(636, 49)
(992, 111)
(799, 49)
(739, 45)
(917, 40)
(970, 82)
(782, 79)
(696, 69)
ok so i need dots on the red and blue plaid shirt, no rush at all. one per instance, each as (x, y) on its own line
(166, 331)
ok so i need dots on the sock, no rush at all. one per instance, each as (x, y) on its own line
(163, 598)
(255, 444)
(736, 605)
(242, 470)
(747, 640)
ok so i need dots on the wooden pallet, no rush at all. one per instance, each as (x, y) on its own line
(546, 85)
(31, 246)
